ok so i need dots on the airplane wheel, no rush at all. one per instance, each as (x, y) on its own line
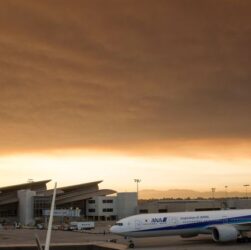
(240, 240)
(131, 245)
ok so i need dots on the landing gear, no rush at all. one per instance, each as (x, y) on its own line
(244, 240)
(131, 244)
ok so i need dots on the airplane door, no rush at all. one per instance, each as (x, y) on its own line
(137, 224)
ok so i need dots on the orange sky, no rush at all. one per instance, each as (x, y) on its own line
(140, 88)
(185, 166)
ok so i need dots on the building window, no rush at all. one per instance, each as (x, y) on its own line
(91, 210)
(41, 203)
(207, 209)
(143, 211)
(91, 201)
(162, 210)
(108, 210)
(107, 201)
(9, 210)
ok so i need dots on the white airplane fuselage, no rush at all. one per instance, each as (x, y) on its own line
(225, 224)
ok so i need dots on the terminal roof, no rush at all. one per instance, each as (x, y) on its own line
(28, 185)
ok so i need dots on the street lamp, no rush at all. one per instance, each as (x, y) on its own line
(213, 192)
(246, 187)
(213, 200)
(137, 183)
(226, 194)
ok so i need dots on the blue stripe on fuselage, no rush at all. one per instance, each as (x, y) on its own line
(202, 224)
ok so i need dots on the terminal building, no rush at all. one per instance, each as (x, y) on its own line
(27, 203)
(169, 206)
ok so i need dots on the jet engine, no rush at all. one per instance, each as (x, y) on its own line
(225, 233)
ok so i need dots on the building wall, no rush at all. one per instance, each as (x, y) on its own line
(102, 206)
(193, 205)
(26, 205)
(112, 207)
(127, 204)
(239, 203)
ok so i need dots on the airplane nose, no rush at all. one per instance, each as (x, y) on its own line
(112, 229)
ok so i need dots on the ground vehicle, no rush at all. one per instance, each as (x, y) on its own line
(82, 225)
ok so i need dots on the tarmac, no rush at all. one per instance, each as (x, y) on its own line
(67, 238)
(178, 243)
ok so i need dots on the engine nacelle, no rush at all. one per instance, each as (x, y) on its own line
(225, 233)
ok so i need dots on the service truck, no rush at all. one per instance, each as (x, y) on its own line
(82, 225)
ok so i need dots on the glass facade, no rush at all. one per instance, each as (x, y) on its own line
(9, 210)
(41, 203)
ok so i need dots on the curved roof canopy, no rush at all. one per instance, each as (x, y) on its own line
(35, 185)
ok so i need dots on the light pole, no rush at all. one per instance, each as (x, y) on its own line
(213, 192)
(226, 194)
(137, 183)
(226, 198)
(246, 187)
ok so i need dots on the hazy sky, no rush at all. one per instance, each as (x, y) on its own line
(107, 89)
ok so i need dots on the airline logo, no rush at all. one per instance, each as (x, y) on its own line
(159, 220)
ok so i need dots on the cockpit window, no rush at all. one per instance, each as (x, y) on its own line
(119, 224)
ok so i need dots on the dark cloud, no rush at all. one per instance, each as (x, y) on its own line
(80, 73)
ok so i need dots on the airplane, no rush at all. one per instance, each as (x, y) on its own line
(49, 230)
(223, 225)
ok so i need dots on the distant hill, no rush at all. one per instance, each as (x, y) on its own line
(184, 193)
